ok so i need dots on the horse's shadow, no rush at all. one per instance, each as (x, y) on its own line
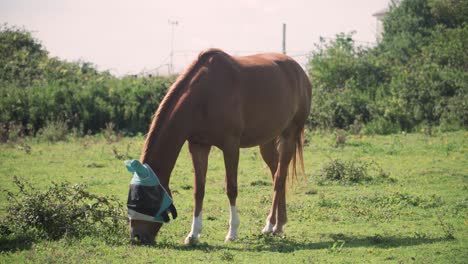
(259, 243)
(286, 245)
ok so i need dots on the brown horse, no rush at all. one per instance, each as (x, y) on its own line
(230, 102)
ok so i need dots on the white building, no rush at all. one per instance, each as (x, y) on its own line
(379, 15)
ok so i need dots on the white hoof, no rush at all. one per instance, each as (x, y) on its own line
(191, 240)
(230, 237)
(268, 229)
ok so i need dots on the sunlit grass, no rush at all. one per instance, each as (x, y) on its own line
(421, 215)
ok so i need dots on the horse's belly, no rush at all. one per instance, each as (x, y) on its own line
(262, 127)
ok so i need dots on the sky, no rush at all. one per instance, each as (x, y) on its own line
(131, 37)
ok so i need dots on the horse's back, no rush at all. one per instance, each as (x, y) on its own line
(253, 98)
(275, 93)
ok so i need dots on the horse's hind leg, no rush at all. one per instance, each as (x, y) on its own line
(286, 149)
(270, 156)
(199, 155)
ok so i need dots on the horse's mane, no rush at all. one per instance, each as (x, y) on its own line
(174, 93)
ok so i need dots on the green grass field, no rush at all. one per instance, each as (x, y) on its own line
(417, 214)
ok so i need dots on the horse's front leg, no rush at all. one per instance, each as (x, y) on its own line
(199, 155)
(231, 162)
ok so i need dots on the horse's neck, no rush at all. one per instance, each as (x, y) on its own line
(163, 145)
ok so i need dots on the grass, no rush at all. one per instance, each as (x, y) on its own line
(421, 215)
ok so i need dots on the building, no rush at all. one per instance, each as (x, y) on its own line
(379, 15)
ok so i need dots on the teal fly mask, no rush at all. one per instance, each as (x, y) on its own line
(147, 199)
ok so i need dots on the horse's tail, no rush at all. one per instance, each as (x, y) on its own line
(298, 155)
(306, 95)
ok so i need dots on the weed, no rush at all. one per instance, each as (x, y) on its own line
(54, 131)
(109, 133)
(345, 171)
(400, 199)
(357, 126)
(264, 199)
(121, 156)
(353, 171)
(395, 147)
(447, 228)
(460, 207)
(311, 192)
(186, 187)
(254, 156)
(25, 147)
(449, 147)
(95, 165)
(211, 218)
(329, 203)
(11, 132)
(226, 256)
(337, 246)
(260, 183)
(428, 130)
(419, 235)
(340, 138)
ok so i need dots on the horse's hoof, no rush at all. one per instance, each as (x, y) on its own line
(191, 241)
(230, 238)
(268, 229)
(277, 231)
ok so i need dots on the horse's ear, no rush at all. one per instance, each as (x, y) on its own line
(128, 164)
(135, 166)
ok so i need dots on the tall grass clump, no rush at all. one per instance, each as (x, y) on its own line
(351, 171)
(54, 131)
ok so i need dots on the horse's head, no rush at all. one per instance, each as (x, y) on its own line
(144, 232)
(148, 203)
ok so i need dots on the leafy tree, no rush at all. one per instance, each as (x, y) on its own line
(36, 90)
(415, 77)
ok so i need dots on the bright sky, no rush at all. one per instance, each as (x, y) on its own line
(135, 36)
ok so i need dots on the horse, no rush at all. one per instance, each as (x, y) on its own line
(230, 102)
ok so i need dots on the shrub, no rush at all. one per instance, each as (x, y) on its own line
(353, 171)
(37, 90)
(54, 131)
(63, 210)
(10, 132)
(382, 126)
(340, 138)
(415, 75)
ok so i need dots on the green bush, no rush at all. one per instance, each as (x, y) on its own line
(63, 210)
(354, 171)
(37, 91)
(415, 76)
(382, 126)
(10, 132)
(54, 131)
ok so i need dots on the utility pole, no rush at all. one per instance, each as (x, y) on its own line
(171, 64)
(284, 38)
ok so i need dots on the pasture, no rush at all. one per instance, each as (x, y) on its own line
(415, 209)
